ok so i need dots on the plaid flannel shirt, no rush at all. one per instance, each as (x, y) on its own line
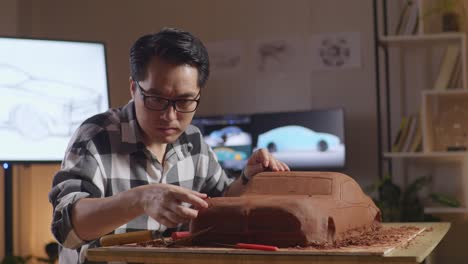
(106, 156)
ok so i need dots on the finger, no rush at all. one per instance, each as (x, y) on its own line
(193, 199)
(259, 157)
(254, 169)
(199, 194)
(273, 165)
(166, 221)
(184, 212)
(263, 157)
(173, 217)
(278, 165)
(182, 189)
(179, 213)
(284, 166)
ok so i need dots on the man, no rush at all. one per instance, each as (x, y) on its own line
(143, 166)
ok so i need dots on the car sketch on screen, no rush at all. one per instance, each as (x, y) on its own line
(231, 146)
(39, 108)
(224, 154)
(299, 146)
(228, 136)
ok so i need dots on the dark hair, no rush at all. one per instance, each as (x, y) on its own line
(173, 46)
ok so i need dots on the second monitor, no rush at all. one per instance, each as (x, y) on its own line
(306, 140)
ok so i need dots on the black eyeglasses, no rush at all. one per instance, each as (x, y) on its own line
(157, 103)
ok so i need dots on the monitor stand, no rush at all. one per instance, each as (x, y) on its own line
(8, 185)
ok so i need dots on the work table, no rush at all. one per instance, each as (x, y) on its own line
(414, 252)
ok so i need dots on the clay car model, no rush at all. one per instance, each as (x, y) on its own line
(296, 138)
(287, 209)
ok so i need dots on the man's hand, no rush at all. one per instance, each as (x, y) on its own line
(262, 160)
(163, 202)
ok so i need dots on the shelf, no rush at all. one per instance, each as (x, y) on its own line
(427, 155)
(426, 39)
(445, 210)
(451, 91)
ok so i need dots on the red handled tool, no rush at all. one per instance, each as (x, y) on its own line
(184, 235)
(180, 235)
(249, 246)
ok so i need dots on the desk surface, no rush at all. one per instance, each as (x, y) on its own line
(414, 252)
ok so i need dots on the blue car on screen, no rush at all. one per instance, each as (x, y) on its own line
(296, 138)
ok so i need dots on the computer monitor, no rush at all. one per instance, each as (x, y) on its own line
(47, 87)
(307, 140)
(229, 137)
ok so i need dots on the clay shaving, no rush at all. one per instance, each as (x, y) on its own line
(376, 236)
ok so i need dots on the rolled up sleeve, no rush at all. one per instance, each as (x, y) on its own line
(79, 177)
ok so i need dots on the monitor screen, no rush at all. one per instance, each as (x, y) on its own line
(48, 87)
(229, 137)
(309, 140)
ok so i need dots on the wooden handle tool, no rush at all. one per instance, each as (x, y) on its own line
(128, 238)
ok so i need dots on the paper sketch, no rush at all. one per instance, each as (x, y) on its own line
(278, 55)
(225, 56)
(335, 51)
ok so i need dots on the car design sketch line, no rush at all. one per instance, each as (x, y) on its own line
(38, 108)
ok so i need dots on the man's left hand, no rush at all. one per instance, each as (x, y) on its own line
(262, 160)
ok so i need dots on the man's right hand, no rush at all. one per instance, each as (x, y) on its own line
(95, 217)
(163, 202)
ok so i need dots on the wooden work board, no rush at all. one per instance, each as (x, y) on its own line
(414, 248)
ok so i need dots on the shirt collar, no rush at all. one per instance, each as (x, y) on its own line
(182, 148)
(130, 131)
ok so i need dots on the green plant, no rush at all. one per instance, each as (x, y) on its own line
(51, 250)
(451, 11)
(406, 206)
(16, 260)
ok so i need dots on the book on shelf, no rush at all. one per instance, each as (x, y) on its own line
(409, 137)
(448, 67)
(416, 144)
(401, 135)
(395, 144)
(456, 78)
(409, 18)
(412, 127)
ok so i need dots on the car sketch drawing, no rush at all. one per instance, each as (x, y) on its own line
(274, 53)
(38, 108)
(225, 61)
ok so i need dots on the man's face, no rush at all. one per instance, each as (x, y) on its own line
(168, 81)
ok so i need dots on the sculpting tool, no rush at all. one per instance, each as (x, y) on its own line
(178, 236)
(129, 238)
(249, 246)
